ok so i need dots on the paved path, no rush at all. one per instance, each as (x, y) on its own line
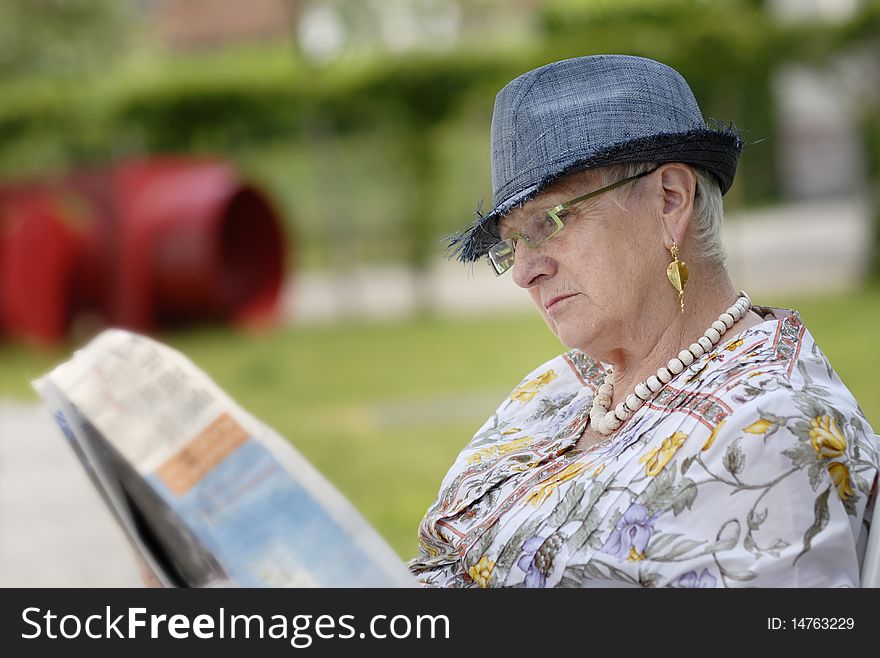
(55, 531)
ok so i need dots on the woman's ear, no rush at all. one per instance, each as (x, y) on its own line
(678, 184)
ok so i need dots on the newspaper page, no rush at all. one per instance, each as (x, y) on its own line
(208, 494)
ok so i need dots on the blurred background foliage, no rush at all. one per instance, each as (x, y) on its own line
(82, 84)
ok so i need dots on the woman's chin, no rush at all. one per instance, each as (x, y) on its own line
(571, 333)
(571, 337)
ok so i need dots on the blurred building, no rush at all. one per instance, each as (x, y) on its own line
(324, 29)
(191, 24)
(818, 142)
(795, 10)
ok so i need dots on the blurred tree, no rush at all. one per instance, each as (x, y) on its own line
(62, 38)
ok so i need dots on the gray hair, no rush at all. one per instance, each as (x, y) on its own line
(708, 208)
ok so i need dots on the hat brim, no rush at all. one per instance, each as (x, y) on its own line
(715, 150)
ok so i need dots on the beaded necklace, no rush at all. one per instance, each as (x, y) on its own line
(606, 421)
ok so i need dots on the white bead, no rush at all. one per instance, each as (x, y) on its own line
(734, 312)
(697, 350)
(602, 401)
(675, 366)
(609, 378)
(713, 334)
(705, 343)
(664, 375)
(727, 319)
(605, 389)
(643, 391)
(611, 421)
(621, 411)
(719, 326)
(654, 383)
(686, 357)
(633, 402)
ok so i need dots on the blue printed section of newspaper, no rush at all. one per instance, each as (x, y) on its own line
(208, 495)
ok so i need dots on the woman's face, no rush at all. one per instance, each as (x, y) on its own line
(596, 280)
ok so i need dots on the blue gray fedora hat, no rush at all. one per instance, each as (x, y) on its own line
(591, 112)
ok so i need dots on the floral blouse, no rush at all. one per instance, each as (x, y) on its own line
(752, 467)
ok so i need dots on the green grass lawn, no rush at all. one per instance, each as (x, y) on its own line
(382, 409)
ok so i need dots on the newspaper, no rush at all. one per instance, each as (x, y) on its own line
(207, 494)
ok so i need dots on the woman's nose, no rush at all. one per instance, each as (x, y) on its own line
(529, 265)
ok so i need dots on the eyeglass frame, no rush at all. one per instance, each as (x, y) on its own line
(553, 214)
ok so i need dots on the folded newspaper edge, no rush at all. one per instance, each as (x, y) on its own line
(207, 494)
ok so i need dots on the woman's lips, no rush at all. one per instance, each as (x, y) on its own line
(555, 300)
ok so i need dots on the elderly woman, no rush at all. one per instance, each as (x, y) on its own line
(688, 438)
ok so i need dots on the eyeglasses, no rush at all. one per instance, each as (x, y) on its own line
(540, 228)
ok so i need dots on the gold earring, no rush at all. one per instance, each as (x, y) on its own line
(677, 272)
